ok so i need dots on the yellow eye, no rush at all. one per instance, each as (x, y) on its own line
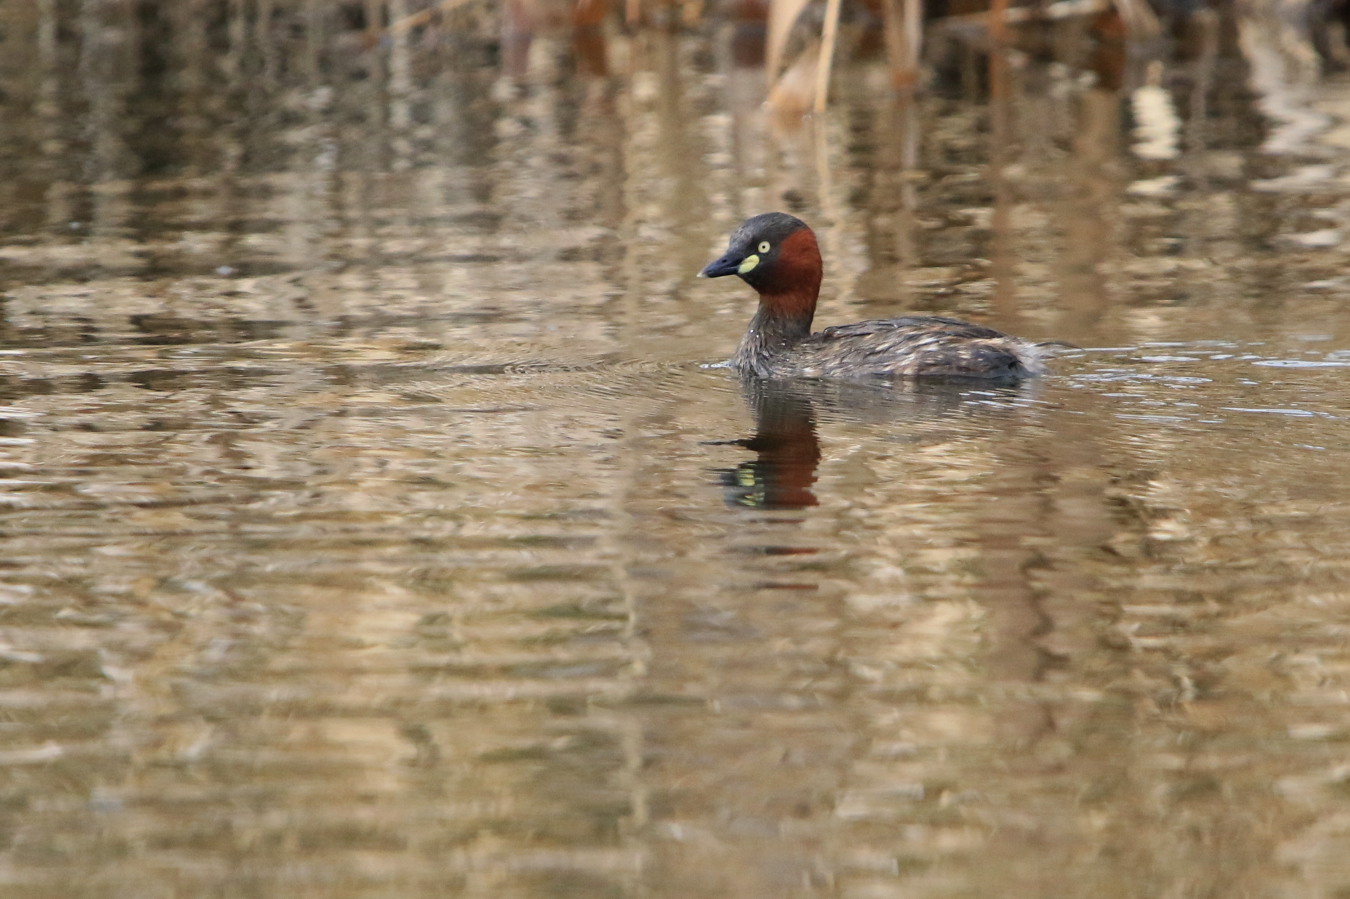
(764, 246)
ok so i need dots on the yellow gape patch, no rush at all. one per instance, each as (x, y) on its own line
(747, 264)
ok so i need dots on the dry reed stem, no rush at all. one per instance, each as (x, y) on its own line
(417, 19)
(998, 24)
(902, 22)
(1141, 22)
(792, 95)
(783, 15)
(828, 38)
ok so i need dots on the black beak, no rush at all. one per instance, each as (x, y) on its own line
(728, 265)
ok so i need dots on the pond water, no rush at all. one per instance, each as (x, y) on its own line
(373, 525)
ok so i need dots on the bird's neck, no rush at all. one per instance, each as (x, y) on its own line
(782, 321)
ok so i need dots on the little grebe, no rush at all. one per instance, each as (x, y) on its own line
(778, 256)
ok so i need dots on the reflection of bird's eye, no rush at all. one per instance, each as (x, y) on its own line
(764, 246)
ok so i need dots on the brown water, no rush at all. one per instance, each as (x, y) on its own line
(372, 528)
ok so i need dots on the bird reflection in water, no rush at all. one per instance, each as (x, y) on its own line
(786, 448)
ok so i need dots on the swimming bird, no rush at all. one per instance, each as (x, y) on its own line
(777, 254)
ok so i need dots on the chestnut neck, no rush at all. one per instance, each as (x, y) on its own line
(787, 304)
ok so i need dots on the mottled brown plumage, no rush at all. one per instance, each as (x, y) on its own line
(778, 256)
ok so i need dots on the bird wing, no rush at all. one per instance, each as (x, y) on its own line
(923, 327)
(918, 345)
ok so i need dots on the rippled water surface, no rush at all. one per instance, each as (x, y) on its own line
(373, 525)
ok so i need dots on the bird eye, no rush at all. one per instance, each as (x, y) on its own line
(764, 246)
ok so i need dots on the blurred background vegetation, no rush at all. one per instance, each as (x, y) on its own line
(794, 40)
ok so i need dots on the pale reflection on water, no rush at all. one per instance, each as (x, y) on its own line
(371, 526)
